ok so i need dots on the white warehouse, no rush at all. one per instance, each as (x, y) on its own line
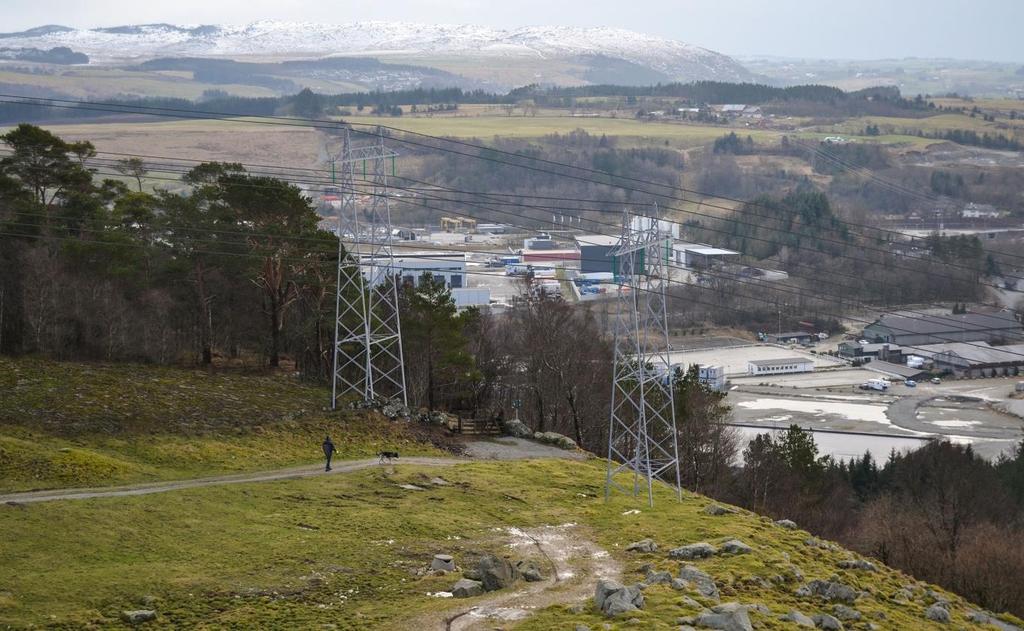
(449, 267)
(780, 366)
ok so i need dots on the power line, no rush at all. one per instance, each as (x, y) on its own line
(330, 124)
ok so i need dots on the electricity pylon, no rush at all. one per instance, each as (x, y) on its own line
(642, 435)
(368, 358)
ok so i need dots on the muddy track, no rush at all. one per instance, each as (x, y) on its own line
(573, 562)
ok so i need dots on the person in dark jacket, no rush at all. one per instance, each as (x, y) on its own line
(328, 451)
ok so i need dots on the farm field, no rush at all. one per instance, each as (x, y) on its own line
(96, 82)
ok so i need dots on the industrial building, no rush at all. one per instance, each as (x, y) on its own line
(596, 252)
(884, 351)
(449, 267)
(791, 337)
(699, 255)
(975, 359)
(782, 366)
(910, 329)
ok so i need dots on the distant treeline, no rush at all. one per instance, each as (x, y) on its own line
(819, 98)
(59, 55)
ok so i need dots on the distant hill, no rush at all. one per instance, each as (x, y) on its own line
(528, 55)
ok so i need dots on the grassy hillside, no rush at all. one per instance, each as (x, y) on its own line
(75, 424)
(348, 551)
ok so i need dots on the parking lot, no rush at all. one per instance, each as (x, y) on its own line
(734, 359)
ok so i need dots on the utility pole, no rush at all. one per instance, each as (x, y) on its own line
(368, 357)
(642, 437)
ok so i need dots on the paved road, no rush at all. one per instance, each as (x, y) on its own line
(500, 449)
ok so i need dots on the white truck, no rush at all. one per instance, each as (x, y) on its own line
(875, 384)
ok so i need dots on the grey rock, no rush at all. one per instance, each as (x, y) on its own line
(827, 622)
(687, 619)
(644, 545)
(138, 616)
(858, 564)
(726, 617)
(517, 429)
(799, 619)
(937, 613)
(788, 524)
(566, 443)
(614, 599)
(715, 509)
(678, 584)
(471, 573)
(830, 591)
(691, 603)
(735, 546)
(845, 613)
(442, 563)
(529, 571)
(467, 588)
(692, 551)
(496, 573)
(686, 627)
(704, 583)
(985, 617)
(760, 608)
(658, 578)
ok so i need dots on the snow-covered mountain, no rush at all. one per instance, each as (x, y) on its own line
(676, 60)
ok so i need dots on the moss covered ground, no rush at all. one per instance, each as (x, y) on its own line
(343, 550)
(76, 424)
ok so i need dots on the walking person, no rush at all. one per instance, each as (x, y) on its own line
(328, 451)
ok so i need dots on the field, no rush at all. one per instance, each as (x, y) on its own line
(344, 551)
(76, 425)
(98, 82)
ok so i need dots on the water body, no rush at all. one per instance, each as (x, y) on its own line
(844, 446)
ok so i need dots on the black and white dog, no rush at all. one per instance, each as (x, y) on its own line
(387, 456)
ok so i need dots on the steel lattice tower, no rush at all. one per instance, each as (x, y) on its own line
(642, 433)
(368, 358)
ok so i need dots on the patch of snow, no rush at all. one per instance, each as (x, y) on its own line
(632, 512)
(821, 409)
(440, 594)
(954, 423)
(377, 38)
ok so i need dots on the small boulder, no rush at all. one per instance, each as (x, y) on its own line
(517, 429)
(566, 443)
(827, 622)
(846, 614)
(658, 578)
(692, 551)
(138, 616)
(858, 564)
(726, 617)
(613, 598)
(788, 524)
(467, 588)
(496, 573)
(704, 583)
(678, 584)
(829, 590)
(937, 613)
(735, 546)
(715, 509)
(799, 619)
(529, 571)
(442, 563)
(644, 545)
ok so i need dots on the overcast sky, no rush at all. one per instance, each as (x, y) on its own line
(863, 29)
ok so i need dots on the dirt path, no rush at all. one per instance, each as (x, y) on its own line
(501, 449)
(573, 565)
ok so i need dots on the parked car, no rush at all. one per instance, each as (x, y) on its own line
(936, 380)
(910, 383)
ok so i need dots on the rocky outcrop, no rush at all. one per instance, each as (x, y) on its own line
(830, 591)
(704, 584)
(613, 598)
(726, 617)
(858, 564)
(138, 616)
(529, 571)
(693, 551)
(827, 622)
(735, 546)
(516, 428)
(554, 438)
(799, 619)
(467, 588)
(644, 545)
(788, 524)
(937, 613)
(715, 509)
(496, 573)
(442, 563)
